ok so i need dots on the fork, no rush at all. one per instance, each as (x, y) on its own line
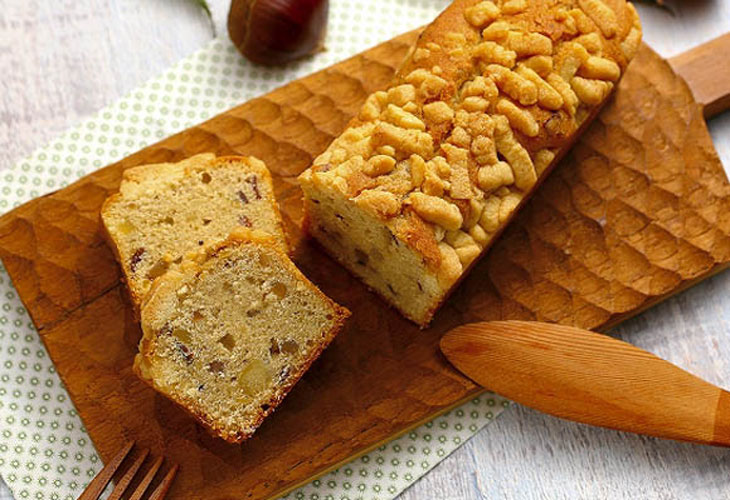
(98, 484)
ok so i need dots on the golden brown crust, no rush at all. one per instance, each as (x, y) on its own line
(109, 239)
(419, 236)
(492, 95)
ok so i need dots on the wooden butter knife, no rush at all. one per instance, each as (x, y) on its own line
(591, 378)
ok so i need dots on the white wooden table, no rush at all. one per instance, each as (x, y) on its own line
(62, 60)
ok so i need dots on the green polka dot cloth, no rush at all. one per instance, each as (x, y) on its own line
(45, 452)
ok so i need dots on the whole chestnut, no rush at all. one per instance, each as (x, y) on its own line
(272, 32)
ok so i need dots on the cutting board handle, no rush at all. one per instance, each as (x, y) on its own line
(706, 69)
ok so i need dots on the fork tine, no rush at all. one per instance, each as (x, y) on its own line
(144, 484)
(123, 483)
(97, 485)
(162, 488)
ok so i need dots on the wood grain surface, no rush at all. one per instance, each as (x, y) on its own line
(47, 332)
(632, 216)
(705, 70)
(110, 48)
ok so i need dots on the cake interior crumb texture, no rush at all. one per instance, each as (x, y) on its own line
(227, 337)
(165, 211)
(372, 251)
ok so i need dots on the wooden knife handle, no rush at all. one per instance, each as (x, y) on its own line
(590, 378)
(706, 69)
(722, 420)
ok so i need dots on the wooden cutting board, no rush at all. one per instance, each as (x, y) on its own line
(637, 212)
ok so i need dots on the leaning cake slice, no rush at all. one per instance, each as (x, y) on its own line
(166, 210)
(228, 332)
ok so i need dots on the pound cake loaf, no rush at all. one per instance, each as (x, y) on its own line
(167, 210)
(431, 170)
(229, 331)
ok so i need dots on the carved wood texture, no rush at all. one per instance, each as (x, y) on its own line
(638, 211)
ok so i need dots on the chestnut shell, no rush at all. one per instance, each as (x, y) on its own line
(273, 32)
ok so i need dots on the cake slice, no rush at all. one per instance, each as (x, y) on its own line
(432, 169)
(164, 211)
(229, 331)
